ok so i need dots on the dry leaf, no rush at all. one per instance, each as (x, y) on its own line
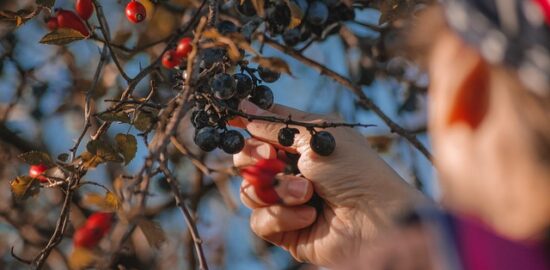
(153, 232)
(62, 36)
(24, 187)
(127, 146)
(36, 158)
(273, 63)
(107, 203)
(19, 17)
(296, 14)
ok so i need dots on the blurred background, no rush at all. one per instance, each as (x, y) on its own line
(42, 93)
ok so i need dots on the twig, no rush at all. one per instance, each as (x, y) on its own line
(197, 161)
(104, 27)
(186, 214)
(363, 101)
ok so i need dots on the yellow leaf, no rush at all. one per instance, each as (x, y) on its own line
(23, 187)
(108, 203)
(82, 258)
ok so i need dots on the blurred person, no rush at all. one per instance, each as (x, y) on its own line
(489, 118)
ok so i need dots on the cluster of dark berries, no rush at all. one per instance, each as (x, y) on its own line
(217, 97)
(216, 100)
(317, 18)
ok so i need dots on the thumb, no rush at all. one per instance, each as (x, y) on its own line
(268, 131)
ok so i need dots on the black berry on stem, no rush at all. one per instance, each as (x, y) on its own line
(223, 86)
(262, 97)
(317, 13)
(322, 143)
(244, 85)
(268, 75)
(286, 136)
(207, 139)
(232, 142)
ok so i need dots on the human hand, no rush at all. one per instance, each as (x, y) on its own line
(361, 193)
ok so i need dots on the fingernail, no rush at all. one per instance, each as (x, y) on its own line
(297, 188)
(249, 107)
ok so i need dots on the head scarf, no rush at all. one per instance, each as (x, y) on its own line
(515, 33)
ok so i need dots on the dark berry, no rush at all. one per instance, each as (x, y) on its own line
(317, 13)
(232, 103)
(286, 136)
(322, 143)
(278, 18)
(305, 33)
(292, 36)
(200, 119)
(223, 86)
(226, 27)
(207, 139)
(210, 56)
(331, 3)
(262, 97)
(232, 142)
(268, 75)
(246, 8)
(213, 117)
(244, 85)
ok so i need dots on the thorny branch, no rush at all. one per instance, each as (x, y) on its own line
(363, 101)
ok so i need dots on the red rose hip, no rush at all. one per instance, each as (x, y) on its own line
(170, 59)
(184, 47)
(100, 221)
(84, 8)
(85, 237)
(52, 23)
(36, 171)
(69, 19)
(135, 12)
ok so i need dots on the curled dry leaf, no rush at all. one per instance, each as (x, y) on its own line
(62, 36)
(273, 63)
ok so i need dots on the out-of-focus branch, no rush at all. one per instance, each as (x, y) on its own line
(186, 214)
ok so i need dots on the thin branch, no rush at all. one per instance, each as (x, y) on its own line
(104, 27)
(197, 161)
(186, 214)
(363, 101)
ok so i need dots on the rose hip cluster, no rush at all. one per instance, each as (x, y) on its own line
(318, 18)
(96, 227)
(135, 12)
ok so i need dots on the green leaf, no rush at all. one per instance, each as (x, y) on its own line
(143, 121)
(153, 232)
(37, 158)
(46, 3)
(127, 146)
(114, 116)
(104, 150)
(62, 36)
(24, 187)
